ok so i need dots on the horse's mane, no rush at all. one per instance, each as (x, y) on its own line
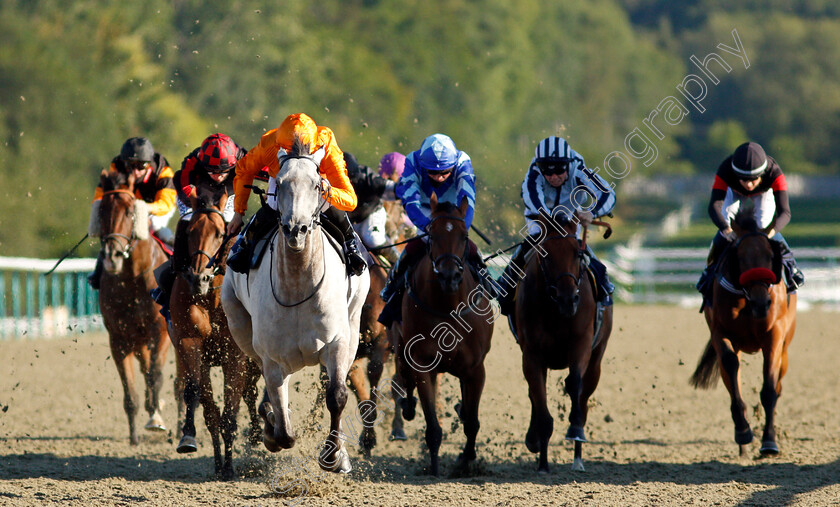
(210, 191)
(112, 180)
(745, 219)
(299, 148)
(445, 207)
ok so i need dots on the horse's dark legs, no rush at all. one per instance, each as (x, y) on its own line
(427, 390)
(188, 357)
(471, 389)
(236, 378)
(730, 373)
(363, 394)
(250, 396)
(212, 417)
(125, 367)
(151, 362)
(774, 354)
(179, 387)
(542, 424)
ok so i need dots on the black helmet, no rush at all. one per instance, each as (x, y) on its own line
(749, 161)
(137, 149)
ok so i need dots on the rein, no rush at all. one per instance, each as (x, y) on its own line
(130, 241)
(212, 260)
(580, 253)
(271, 277)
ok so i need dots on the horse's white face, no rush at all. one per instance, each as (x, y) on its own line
(299, 199)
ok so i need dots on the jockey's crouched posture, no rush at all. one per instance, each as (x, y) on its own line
(558, 178)
(338, 191)
(439, 167)
(370, 218)
(749, 177)
(152, 184)
(207, 168)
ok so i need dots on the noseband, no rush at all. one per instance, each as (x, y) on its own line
(217, 266)
(459, 261)
(117, 238)
(552, 283)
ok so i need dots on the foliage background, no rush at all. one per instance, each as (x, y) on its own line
(79, 77)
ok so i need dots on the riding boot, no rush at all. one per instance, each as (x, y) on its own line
(165, 277)
(794, 276)
(356, 264)
(95, 277)
(513, 273)
(603, 280)
(479, 269)
(704, 284)
(239, 258)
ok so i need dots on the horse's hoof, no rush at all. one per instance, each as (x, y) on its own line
(743, 437)
(532, 441)
(408, 406)
(343, 466)
(397, 435)
(187, 445)
(577, 465)
(576, 433)
(155, 423)
(769, 448)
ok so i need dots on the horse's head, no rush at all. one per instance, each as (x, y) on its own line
(205, 236)
(299, 192)
(563, 262)
(122, 219)
(448, 242)
(755, 263)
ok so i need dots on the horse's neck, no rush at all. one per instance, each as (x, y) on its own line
(303, 269)
(431, 290)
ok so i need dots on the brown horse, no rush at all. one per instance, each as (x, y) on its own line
(557, 325)
(751, 311)
(447, 326)
(202, 339)
(135, 326)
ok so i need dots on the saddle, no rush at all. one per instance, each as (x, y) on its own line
(167, 249)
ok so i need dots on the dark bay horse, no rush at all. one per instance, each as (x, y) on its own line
(556, 325)
(135, 326)
(751, 312)
(202, 339)
(447, 326)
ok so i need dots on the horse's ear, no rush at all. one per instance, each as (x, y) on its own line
(433, 201)
(465, 205)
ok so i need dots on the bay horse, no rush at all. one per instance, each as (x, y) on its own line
(201, 336)
(555, 319)
(133, 321)
(751, 311)
(298, 307)
(447, 326)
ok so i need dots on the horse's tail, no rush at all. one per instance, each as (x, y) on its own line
(707, 372)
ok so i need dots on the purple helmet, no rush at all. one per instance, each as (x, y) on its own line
(391, 163)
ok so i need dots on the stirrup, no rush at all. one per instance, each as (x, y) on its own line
(238, 259)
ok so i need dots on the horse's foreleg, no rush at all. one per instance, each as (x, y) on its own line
(212, 417)
(427, 390)
(405, 404)
(178, 386)
(125, 367)
(278, 433)
(730, 363)
(542, 424)
(363, 395)
(774, 355)
(189, 358)
(471, 388)
(153, 375)
(236, 377)
(250, 396)
(333, 456)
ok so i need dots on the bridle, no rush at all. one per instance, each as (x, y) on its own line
(763, 282)
(319, 187)
(218, 267)
(459, 261)
(551, 288)
(123, 249)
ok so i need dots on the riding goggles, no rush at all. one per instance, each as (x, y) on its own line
(137, 165)
(437, 172)
(553, 165)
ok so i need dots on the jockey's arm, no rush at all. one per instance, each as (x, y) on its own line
(165, 195)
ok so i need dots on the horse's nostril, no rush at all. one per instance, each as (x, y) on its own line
(303, 229)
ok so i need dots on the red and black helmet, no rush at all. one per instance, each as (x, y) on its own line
(218, 153)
